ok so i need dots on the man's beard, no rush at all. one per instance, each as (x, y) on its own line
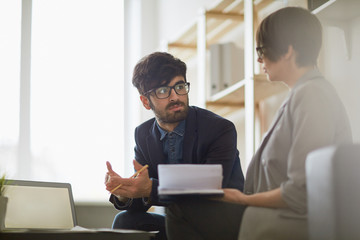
(171, 117)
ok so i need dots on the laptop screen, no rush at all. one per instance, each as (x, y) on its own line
(39, 205)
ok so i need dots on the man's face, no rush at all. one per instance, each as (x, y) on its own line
(172, 109)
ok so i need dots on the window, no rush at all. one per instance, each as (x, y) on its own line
(10, 25)
(76, 118)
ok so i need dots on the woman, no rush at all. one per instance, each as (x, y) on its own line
(312, 116)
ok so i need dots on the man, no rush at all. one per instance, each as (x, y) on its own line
(179, 134)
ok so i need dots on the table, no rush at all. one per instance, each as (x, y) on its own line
(76, 235)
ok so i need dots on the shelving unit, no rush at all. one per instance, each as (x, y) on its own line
(235, 95)
(339, 13)
(222, 18)
(210, 27)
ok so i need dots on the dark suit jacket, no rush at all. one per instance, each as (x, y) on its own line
(208, 139)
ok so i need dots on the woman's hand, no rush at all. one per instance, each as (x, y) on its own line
(233, 195)
(270, 199)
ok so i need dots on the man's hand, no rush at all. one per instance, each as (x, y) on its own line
(131, 187)
(110, 174)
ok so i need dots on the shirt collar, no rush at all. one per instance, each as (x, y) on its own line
(179, 130)
(314, 73)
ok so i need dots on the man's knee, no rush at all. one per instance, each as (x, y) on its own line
(125, 220)
(139, 221)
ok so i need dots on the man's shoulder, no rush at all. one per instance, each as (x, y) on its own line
(201, 112)
(208, 117)
(146, 125)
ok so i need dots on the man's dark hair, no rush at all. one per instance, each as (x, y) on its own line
(155, 70)
(293, 26)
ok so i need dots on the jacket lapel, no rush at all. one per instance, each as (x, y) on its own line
(154, 145)
(252, 179)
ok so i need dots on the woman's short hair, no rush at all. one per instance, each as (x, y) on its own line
(155, 70)
(293, 26)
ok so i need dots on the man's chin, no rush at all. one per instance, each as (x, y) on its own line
(176, 116)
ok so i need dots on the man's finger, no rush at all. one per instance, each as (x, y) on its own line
(107, 177)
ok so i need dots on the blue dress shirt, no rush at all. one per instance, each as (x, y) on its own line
(173, 143)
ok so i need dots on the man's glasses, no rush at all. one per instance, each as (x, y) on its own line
(182, 88)
(260, 52)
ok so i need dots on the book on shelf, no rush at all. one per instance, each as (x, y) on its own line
(232, 64)
(215, 68)
(226, 66)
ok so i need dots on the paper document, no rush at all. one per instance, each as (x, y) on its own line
(177, 179)
(110, 230)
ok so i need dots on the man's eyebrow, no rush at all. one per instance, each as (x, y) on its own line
(180, 81)
(164, 85)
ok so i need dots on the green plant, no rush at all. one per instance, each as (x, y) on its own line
(3, 182)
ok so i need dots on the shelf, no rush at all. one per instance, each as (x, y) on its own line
(225, 16)
(338, 10)
(339, 13)
(212, 26)
(234, 95)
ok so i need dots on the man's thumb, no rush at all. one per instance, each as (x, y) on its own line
(137, 165)
(109, 167)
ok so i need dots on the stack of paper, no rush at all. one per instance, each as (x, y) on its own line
(182, 179)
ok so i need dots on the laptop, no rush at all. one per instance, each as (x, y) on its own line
(36, 205)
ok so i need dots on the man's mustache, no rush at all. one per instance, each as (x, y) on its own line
(175, 103)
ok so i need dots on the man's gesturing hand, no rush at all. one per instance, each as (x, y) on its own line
(130, 187)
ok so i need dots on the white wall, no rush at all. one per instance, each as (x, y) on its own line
(343, 73)
(175, 16)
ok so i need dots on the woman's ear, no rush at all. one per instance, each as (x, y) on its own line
(145, 102)
(290, 52)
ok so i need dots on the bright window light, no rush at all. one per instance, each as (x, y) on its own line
(10, 27)
(76, 93)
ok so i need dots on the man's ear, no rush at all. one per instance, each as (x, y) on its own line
(145, 102)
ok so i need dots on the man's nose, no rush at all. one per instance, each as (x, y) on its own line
(173, 95)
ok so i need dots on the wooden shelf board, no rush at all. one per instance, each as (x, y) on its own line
(181, 45)
(226, 10)
(224, 110)
(262, 4)
(224, 5)
(183, 54)
(220, 19)
(234, 95)
(232, 92)
(222, 32)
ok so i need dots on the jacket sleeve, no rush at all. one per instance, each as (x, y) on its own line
(318, 119)
(221, 148)
(140, 204)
